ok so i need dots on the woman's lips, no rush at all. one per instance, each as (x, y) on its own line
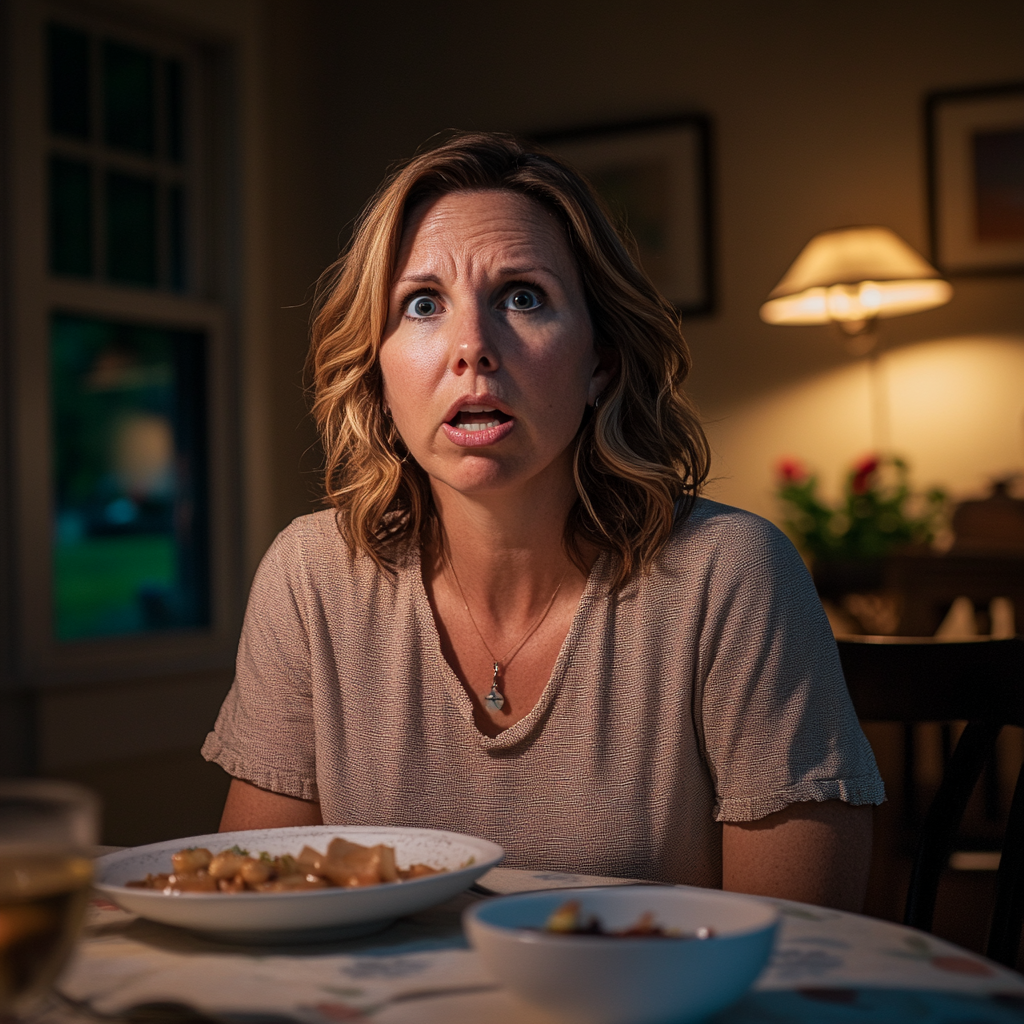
(477, 435)
(477, 424)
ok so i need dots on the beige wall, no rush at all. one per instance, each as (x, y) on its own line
(818, 116)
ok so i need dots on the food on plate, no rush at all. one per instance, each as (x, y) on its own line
(345, 865)
(568, 920)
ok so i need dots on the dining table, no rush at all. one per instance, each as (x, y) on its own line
(826, 966)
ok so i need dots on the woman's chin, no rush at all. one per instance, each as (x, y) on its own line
(478, 481)
(509, 480)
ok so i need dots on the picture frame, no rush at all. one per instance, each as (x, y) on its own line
(655, 177)
(975, 154)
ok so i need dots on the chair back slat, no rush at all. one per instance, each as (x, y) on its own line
(940, 681)
(938, 833)
(1004, 935)
(909, 680)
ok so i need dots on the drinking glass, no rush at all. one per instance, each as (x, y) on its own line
(47, 834)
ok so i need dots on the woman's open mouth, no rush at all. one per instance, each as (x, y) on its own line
(476, 425)
(477, 418)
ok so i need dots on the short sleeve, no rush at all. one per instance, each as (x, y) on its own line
(265, 732)
(776, 719)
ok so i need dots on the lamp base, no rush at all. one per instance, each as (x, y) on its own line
(859, 336)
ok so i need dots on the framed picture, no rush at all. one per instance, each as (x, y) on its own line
(655, 178)
(975, 141)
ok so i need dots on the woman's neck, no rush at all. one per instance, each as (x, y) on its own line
(506, 550)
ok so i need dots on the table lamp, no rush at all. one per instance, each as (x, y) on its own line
(853, 277)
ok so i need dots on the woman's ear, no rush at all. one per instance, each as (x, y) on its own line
(607, 369)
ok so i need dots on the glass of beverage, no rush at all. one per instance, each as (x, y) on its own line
(47, 834)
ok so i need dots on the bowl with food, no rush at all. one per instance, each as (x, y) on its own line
(625, 954)
(303, 884)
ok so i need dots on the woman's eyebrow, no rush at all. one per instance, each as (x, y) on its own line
(533, 269)
(417, 279)
(507, 272)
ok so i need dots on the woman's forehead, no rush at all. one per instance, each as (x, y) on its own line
(463, 230)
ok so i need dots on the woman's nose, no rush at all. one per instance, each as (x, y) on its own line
(473, 347)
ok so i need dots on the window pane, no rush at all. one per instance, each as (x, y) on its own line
(174, 100)
(70, 217)
(131, 229)
(68, 73)
(176, 237)
(130, 543)
(128, 98)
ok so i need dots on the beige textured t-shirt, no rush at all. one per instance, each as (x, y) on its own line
(708, 691)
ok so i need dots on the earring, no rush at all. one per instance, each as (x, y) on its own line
(597, 401)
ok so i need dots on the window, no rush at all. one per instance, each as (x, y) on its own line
(129, 550)
(119, 335)
(118, 167)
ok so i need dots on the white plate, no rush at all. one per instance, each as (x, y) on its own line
(311, 915)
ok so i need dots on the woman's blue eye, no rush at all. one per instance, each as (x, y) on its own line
(421, 306)
(522, 299)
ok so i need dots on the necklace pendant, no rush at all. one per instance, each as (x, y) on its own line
(494, 700)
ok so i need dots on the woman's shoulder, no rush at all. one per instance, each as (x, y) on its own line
(308, 538)
(713, 528)
(723, 548)
(314, 546)
(736, 560)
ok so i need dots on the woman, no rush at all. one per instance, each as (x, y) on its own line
(517, 619)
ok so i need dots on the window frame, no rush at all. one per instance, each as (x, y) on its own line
(34, 294)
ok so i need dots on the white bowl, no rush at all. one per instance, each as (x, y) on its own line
(602, 980)
(307, 916)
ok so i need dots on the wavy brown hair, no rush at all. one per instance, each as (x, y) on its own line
(639, 457)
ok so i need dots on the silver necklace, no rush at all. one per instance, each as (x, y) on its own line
(494, 698)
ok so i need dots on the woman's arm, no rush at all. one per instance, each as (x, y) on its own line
(248, 806)
(812, 852)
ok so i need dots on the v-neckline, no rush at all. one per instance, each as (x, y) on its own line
(521, 730)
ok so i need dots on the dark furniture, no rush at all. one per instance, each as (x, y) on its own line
(908, 679)
(927, 584)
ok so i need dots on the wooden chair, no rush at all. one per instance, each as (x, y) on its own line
(908, 679)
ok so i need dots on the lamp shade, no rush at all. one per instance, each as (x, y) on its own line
(853, 275)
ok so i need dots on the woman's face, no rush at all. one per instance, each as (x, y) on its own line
(488, 357)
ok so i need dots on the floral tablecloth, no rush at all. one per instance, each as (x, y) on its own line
(827, 967)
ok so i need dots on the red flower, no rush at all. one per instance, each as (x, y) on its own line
(862, 473)
(791, 471)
